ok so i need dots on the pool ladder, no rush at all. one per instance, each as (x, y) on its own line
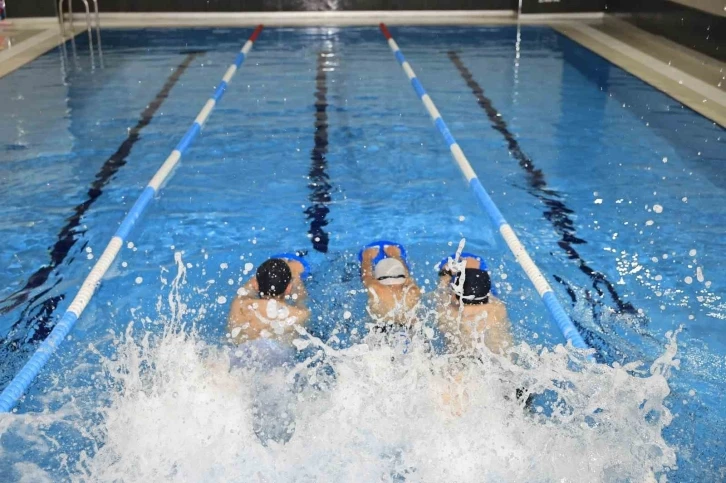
(89, 25)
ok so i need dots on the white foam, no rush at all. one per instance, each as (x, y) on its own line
(174, 411)
(183, 414)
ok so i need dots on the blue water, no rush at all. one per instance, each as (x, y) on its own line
(609, 150)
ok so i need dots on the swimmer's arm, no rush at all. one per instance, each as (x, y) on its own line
(234, 319)
(297, 284)
(498, 339)
(301, 314)
(367, 267)
(442, 292)
(299, 289)
(499, 329)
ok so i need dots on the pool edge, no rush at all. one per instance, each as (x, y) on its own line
(658, 74)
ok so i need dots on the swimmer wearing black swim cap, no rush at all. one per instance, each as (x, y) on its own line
(271, 303)
(467, 310)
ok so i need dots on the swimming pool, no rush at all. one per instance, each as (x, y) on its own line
(596, 171)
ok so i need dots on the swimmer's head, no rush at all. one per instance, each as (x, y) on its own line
(477, 285)
(390, 271)
(273, 277)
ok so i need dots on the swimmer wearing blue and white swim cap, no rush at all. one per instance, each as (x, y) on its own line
(393, 295)
(271, 303)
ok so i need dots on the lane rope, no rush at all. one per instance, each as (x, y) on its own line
(555, 309)
(22, 380)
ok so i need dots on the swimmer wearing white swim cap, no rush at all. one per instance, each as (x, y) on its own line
(393, 295)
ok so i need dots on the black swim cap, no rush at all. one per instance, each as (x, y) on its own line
(273, 277)
(477, 285)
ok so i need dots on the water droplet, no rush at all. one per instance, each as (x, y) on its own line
(139, 280)
(221, 299)
(347, 315)
(699, 274)
(658, 208)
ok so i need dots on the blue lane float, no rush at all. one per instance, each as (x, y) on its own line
(553, 305)
(22, 380)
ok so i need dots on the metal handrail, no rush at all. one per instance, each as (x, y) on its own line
(89, 25)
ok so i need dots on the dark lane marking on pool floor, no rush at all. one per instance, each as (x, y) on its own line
(69, 234)
(319, 185)
(557, 213)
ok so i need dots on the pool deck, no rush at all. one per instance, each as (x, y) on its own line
(696, 80)
(26, 40)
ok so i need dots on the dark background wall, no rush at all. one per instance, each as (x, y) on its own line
(692, 27)
(562, 6)
(688, 26)
(39, 8)
(30, 8)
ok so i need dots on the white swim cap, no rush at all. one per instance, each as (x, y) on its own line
(390, 271)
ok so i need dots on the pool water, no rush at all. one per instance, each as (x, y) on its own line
(320, 145)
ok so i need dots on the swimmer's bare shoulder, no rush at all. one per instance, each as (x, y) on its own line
(242, 323)
(495, 309)
(494, 324)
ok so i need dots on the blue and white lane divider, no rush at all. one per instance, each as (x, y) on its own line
(557, 312)
(23, 379)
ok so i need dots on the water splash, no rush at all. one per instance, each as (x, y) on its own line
(180, 414)
(176, 408)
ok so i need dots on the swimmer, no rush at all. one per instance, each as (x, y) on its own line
(393, 295)
(264, 314)
(262, 321)
(467, 311)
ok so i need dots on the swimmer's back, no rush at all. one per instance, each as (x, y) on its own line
(488, 321)
(251, 318)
